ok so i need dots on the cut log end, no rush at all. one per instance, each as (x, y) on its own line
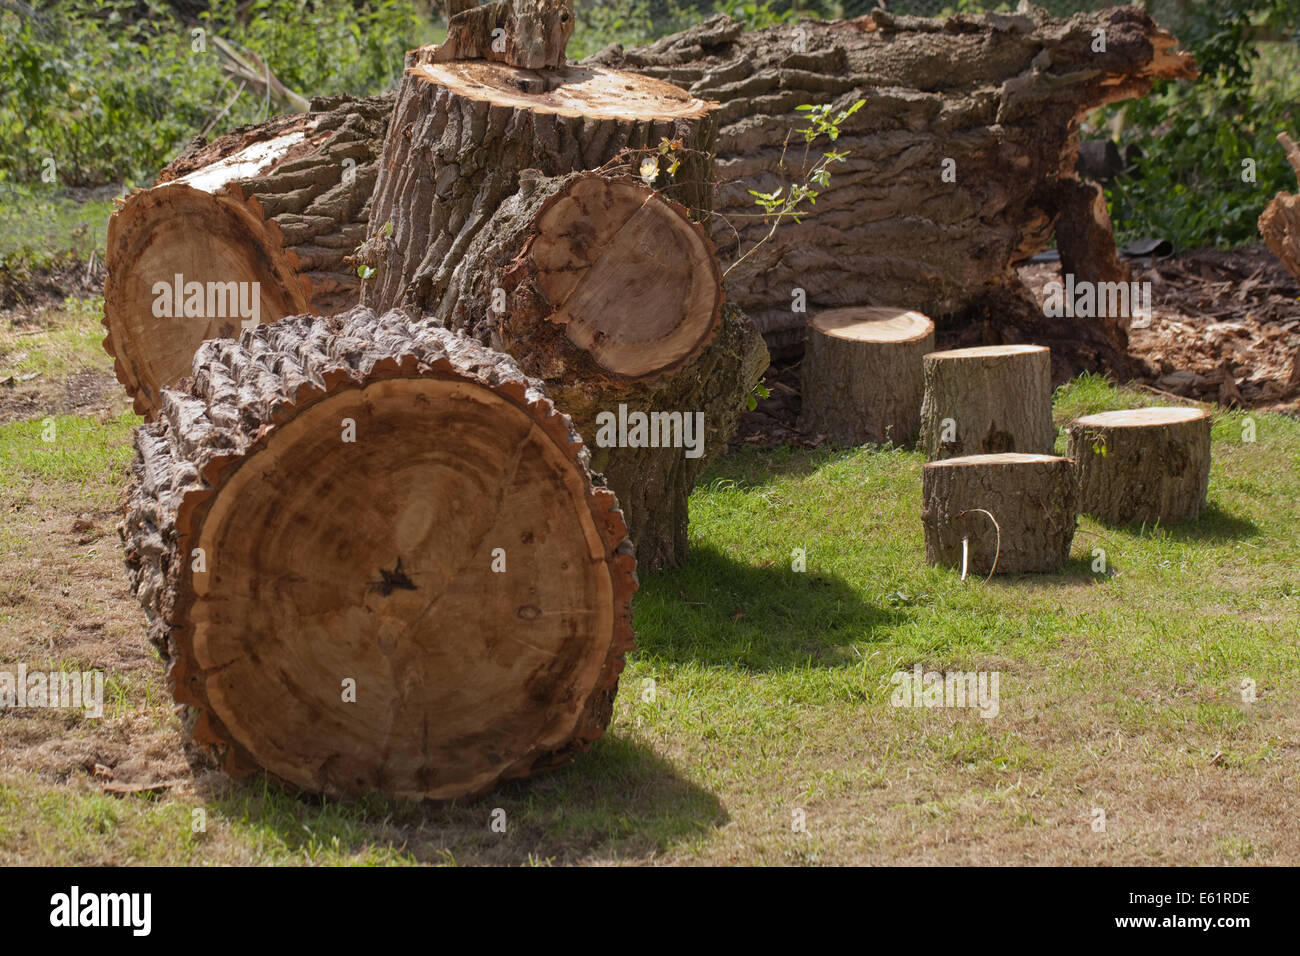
(873, 324)
(436, 598)
(633, 280)
(182, 266)
(594, 92)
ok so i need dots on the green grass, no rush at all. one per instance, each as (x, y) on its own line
(757, 691)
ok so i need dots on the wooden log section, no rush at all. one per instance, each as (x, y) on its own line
(862, 375)
(600, 279)
(1279, 224)
(1142, 464)
(280, 205)
(987, 399)
(1016, 512)
(378, 509)
(464, 130)
(999, 95)
(609, 292)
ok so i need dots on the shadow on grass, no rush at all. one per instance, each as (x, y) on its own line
(1213, 525)
(720, 611)
(620, 800)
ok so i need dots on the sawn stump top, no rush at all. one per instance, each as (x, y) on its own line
(574, 91)
(873, 324)
(1142, 417)
(1002, 458)
(988, 351)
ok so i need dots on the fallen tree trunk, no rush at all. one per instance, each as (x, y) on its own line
(968, 131)
(1279, 223)
(602, 287)
(436, 597)
(281, 205)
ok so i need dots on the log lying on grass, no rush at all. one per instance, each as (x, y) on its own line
(602, 287)
(999, 95)
(369, 508)
(280, 205)
(1142, 464)
(999, 514)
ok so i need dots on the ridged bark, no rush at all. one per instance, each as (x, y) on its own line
(277, 558)
(282, 204)
(862, 377)
(987, 399)
(463, 132)
(1001, 96)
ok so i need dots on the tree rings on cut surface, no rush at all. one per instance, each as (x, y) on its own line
(383, 568)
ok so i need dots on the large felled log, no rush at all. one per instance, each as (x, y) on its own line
(987, 399)
(1279, 224)
(995, 99)
(861, 375)
(1008, 513)
(371, 554)
(252, 227)
(611, 294)
(464, 130)
(1142, 464)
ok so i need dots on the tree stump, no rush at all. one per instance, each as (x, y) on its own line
(986, 400)
(280, 205)
(373, 559)
(464, 130)
(862, 375)
(1016, 512)
(1142, 464)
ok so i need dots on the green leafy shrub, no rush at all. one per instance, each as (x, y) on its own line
(1210, 161)
(110, 90)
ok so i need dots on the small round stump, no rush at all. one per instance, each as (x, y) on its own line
(862, 375)
(987, 400)
(1142, 464)
(1017, 510)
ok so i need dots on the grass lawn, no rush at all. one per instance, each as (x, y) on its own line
(759, 696)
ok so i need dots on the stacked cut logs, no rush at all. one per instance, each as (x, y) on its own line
(995, 99)
(437, 595)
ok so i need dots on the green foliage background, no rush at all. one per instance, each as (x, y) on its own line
(112, 89)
